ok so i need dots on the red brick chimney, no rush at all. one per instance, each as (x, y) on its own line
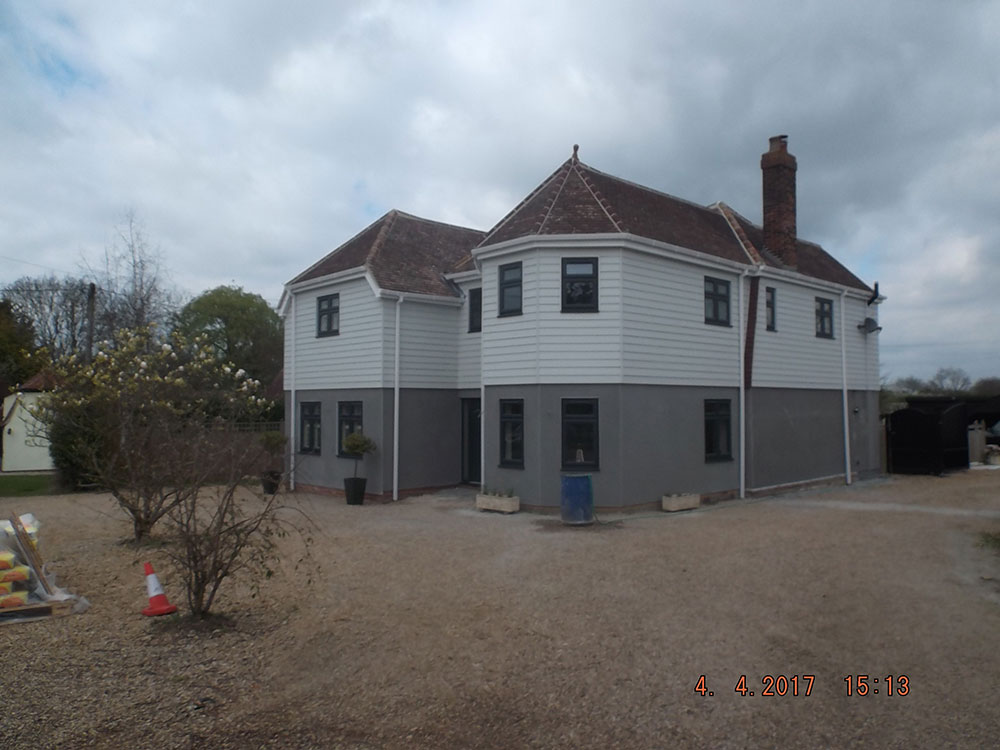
(779, 168)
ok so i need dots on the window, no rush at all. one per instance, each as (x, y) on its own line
(328, 315)
(769, 295)
(512, 433)
(716, 301)
(580, 441)
(824, 318)
(309, 424)
(475, 310)
(510, 290)
(348, 421)
(718, 431)
(579, 285)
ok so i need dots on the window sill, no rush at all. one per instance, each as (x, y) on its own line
(829, 337)
(580, 467)
(503, 465)
(309, 453)
(509, 314)
(579, 310)
(719, 323)
(327, 335)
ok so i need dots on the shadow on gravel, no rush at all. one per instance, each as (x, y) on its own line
(554, 524)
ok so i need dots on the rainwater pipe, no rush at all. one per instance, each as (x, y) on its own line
(843, 373)
(743, 392)
(291, 379)
(395, 403)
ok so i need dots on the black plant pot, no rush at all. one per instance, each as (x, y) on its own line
(354, 488)
(270, 481)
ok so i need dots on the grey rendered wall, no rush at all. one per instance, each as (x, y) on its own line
(327, 469)
(797, 434)
(652, 443)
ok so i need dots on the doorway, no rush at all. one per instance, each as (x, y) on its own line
(471, 448)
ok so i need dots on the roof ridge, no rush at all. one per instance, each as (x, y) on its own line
(737, 228)
(380, 237)
(552, 202)
(603, 202)
(518, 207)
(425, 220)
(341, 246)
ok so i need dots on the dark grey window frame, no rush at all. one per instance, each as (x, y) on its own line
(567, 420)
(355, 420)
(504, 284)
(513, 421)
(330, 313)
(718, 423)
(570, 307)
(771, 308)
(824, 318)
(310, 415)
(476, 310)
(713, 298)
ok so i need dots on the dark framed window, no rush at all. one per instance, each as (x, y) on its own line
(580, 435)
(512, 433)
(716, 301)
(328, 315)
(579, 284)
(475, 310)
(349, 420)
(309, 427)
(509, 302)
(718, 430)
(824, 318)
(769, 304)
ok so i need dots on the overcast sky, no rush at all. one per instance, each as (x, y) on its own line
(251, 138)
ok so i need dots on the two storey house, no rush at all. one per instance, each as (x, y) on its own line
(601, 327)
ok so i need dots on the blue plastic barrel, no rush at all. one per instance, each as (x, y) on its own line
(577, 502)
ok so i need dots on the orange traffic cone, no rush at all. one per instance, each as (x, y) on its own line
(158, 603)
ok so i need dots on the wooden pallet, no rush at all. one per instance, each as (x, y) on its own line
(35, 611)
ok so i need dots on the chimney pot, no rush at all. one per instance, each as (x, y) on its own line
(778, 168)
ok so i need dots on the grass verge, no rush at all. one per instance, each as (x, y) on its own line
(27, 485)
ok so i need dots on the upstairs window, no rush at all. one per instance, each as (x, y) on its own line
(580, 439)
(348, 420)
(718, 430)
(824, 318)
(579, 285)
(328, 315)
(716, 301)
(512, 433)
(769, 303)
(475, 310)
(309, 424)
(509, 302)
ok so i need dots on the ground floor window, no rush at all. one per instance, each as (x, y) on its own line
(512, 433)
(309, 424)
(718, 430)
(580, 440)
(348, 421)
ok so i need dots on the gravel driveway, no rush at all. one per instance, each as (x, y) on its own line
(429, 625)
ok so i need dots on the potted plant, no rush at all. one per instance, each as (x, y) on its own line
(273, 443)
(356, 445)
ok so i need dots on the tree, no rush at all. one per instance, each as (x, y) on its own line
(240, 326)
(987, 387)
(910, 385)
(56, 309)
(950, 380)
(16, 346)
(148, 422)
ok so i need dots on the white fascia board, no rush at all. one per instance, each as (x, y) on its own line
(283, 303)
(474, 275)
(333, 278)
(430, 299)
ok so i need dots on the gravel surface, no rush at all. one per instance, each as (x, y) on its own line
(429, 625)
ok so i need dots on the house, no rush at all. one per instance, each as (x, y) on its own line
(25, 448)
(601, 327)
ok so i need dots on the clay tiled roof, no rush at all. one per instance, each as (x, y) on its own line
(578, 199)
(403, 252)
(40, 381)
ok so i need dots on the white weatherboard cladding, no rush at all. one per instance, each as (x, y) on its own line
(469, 344)
(428, 346)
(794, 357)
(544, 344)
(665, 337)
(352, 359)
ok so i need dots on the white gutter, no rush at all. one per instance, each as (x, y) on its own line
(395, 405)
(743, 393)
(843, 372)
(291, 379)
